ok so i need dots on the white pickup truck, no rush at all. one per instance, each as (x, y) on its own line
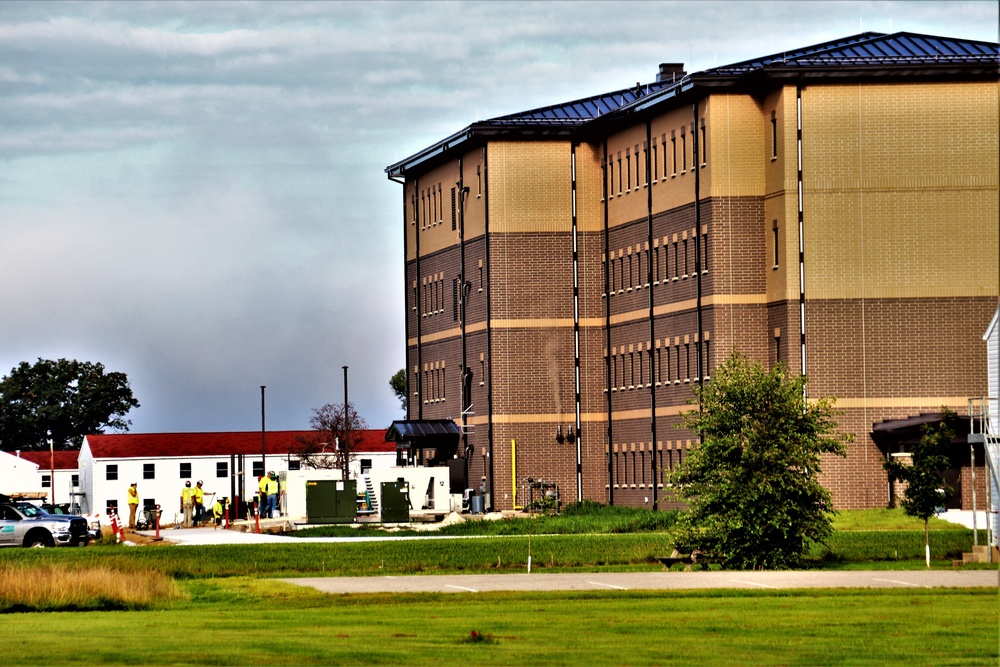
(23, 524)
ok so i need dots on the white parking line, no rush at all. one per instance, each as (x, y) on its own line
(750, 583)
(901, 583)
(462, 588)
(617, 588)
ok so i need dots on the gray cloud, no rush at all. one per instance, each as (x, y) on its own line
(192, 193)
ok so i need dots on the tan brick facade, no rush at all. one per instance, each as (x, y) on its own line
(687, 247)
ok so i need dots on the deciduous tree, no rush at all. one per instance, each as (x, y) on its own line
(398, 384)
(926, 488)
(752, 483)
(338, 434)
(62, 399)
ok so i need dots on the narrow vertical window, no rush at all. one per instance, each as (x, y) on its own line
(479, 178)
(684, 151)
(673, 153)
(704, 252)
(619, 172)
(654, 164)
(686, 272)
(777, 346)
(677, 260)
(703, 145)
(454, 299)
(774, 136)
(637, 179)
(774, 236)
(480, 275)
(611, 177)
(614, 371)
(663, 142)
(628, 170)
(708, 356)
(454, 210)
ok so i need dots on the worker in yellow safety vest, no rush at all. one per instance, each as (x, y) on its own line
(270, 487)
(198, 495)
(262, 495)
(187, 503)
(218, 509)
(133, 504)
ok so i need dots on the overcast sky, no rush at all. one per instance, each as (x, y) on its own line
(194, 193)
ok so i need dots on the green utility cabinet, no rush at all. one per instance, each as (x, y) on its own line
(331, 501)
(395, 502)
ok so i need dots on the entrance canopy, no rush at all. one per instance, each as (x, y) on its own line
(417, 435)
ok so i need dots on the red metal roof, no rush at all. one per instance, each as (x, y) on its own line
(65, 460)
(155, 445)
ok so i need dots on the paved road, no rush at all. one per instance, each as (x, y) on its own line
(477, 583)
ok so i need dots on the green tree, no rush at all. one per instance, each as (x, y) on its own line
(398, 384)
(926, 488)
(752, 487)
(62, 399)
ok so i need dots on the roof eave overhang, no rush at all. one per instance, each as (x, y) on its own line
(473, 136)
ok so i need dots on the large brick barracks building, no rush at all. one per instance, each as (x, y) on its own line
(572, 271)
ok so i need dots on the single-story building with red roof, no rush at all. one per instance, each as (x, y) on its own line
(229, 464)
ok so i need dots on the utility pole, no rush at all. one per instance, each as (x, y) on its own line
(263, 438)
(344, 449)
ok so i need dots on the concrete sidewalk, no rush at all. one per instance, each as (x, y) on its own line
(624, 581)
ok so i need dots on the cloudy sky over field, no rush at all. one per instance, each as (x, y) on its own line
(194, 193)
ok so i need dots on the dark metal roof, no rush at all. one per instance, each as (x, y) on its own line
(413, 429)
(581, 110)
(872, 53)
(872, 48)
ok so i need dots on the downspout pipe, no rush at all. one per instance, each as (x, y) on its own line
(416, 300)
(652, 323)
(576, 335)
(801, 221)
(700, 334)
(489, 328)
(607, 325)
(463, 293)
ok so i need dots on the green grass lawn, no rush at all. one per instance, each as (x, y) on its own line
(246, 621)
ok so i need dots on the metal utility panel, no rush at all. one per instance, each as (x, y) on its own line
(331, 501)
(395, 502)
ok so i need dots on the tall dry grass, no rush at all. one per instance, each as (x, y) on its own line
(62, 588)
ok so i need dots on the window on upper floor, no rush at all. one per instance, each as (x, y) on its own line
(774, 136)
(111, 472)
(185, 471)
(149, 471)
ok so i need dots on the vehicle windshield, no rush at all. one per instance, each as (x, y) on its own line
(29, 510)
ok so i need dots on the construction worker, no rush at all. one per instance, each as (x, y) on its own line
(272, 494)
(262, 488)
(187, 503)
(218, 509)
(198, 495)
(133, 504)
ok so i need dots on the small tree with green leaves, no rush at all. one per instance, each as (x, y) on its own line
(398, 384)
(752, 484)
(926, 488)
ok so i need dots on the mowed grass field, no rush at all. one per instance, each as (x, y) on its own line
(226, 605)
(247, 621)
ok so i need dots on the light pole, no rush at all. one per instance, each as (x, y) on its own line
(263, 438)
(347, 429)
